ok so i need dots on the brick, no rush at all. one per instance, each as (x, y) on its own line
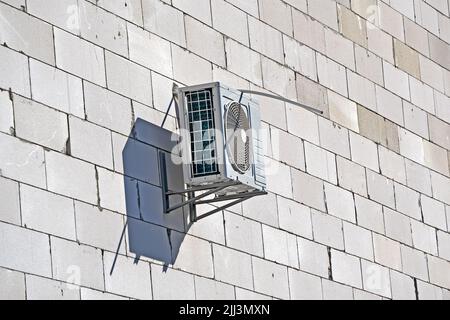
(418, 177)
(272, 111)
(78, 265)
(416, 37)
(111, 190)
(433, 212)
(398, 226)
(164, 20)
(311, 93)
(331, 75)
(280, 246)
(340, 203)
(71, 177)
(346, 269)
(379, 41)
(392, 165)
(407, 201)
(351, 176)
(90, 142)
(404, 7)
(309, 130)
(327, 230)
(389, 106)
(428, 291)
(131, 12)
(444, 27)
(421, 95)
(171, 284)
(47, 212)
(27, 34)
(206, 289)
(441, 102)
(352, 26)
(294, 217)
(13, 285)
(364, 151)
(444, 245)
(232, 267)
(308, 31)
(339, 49)
(414, 263)
(411, 146)
(127, 278)
(56, 88)
(128, 78)
(200, 10)
(10, 206)
(432, 74)
(406, 58)
(263, 209)
(24, 250)
(278, 79)
(415, 119)
(243, 234)
(308, 190)
(362, 91)
(46, 289)
(402, 287)
(396, 81)
(369, 65)
(439, 51)
(435, 158)
(142, 50)
(103, 28)
(287, 148)
(22, 161)
(7, 113)
(439, 271)
(79, 57)
(40, 124)
(335, 291)
(279, 178)
(320, 163)
(313, 257)
(277, 14)
(376, 279)
(270, 278)
(391, 21)
(424, 237)
(15, 68)
(197, 34)
(233, 24)
(369, 214)
(107, 108)
(358, 241)
(265, 39)
(325, 11)
(439, 132)
(441, 186)
(334, 138)
(190, 69)
(304, 286)
(387, 252)
(343, 111)
(64, 14)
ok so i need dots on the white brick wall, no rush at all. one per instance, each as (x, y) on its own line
(359, 207)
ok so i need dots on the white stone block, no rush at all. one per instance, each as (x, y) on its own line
(243, 234)
(421, 95)
(304, 286)
(433, 212)
(402, 287)
(233, 267)
(309, 31)
(331, 75)
(441, 185)
(277, 14)
(362, 91)
(300, 58)
(131, 12)
(334, 138)
(418, 177)
(407, 201)
(335, 291)
(308, 190)
(340, 203)
(444, 245)
(200, 10)
(379, 41)
(287, 148)
(309, 130)
(339, 48)
(294, 217)
(280, 246)
(13, 285)
(206, 289)
(389, 105)
(428, 291)
(398, 226)
(243, 61)
(320, 163)
(369, 65)
(16, 75)
(392, 165)
(380, 189)
(346, 269)
(22, 161)
(313, 257)
(189, 69)
(263, 209)
(10, 205)
(278, 79)
(79, 57)
(71, 177)
(7, 113)
(370, 214)
(24, 250)
(439, 271)
(376, 279)
(46, 289)
(358, 241)
(41, 125)
(64, 14)
(387, 252)
(391, 21)
(343, 111)
(325, 11)
(424, 237)
(56, 88)
(396, 80)
(169, 284)
(265, 39)
(364, 151)
(327, 230)
(270, 278)
(233, 24)
(414, 263)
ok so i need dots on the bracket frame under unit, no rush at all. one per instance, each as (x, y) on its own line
(193, 200)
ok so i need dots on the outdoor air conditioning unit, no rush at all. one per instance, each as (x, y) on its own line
(221, 138)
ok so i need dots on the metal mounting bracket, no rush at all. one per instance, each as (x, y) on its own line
(193, 200)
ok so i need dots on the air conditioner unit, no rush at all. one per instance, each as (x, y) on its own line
(221, 139)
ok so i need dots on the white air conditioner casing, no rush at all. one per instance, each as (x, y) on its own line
(215, 158)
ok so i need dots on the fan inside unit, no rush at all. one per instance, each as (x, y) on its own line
(238, 136)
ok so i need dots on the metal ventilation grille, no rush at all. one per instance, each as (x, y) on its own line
(238, 142)
(202, 128)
